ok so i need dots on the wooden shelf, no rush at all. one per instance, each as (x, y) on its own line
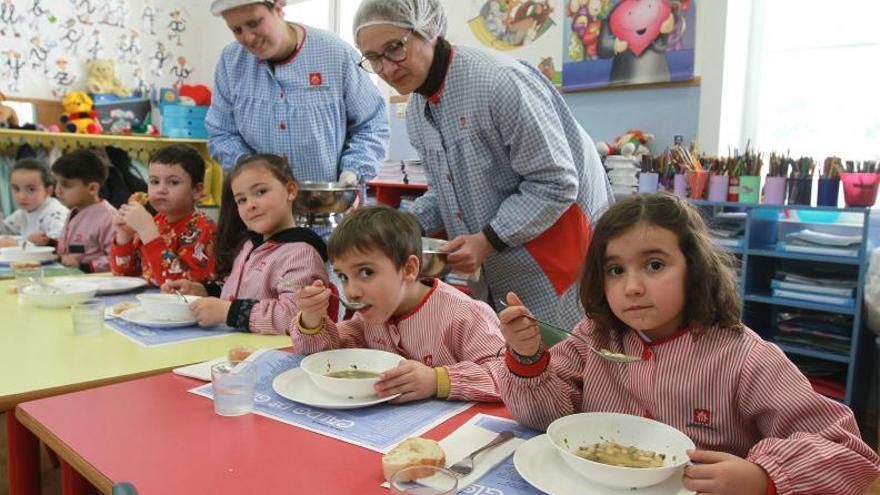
(104, 139)
(634, 87)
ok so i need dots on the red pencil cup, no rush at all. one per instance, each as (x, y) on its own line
(859, 189)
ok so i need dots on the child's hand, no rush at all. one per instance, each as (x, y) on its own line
(411, 379)
(138, 218)
(724, 474)
(39, 238)
(71, 259)
(187, 287)
(522, 334)
(124, 233)
(313, 301)
(210, 310)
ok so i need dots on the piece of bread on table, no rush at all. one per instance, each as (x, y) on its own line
(7, 241)
(25, 265)
(413, 452)
(139, 197)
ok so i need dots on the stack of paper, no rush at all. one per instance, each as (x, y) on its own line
(813, 242)
(815, 283)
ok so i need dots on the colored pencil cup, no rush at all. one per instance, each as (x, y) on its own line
(774, 190)
(679, 186)
(859, 189)
(648, 182)
(826, 194)
(749, 188)
(718, 187)
(698, 181)
(733, 188)
(800, 191)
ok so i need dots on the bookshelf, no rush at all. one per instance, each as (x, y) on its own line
(763, 253)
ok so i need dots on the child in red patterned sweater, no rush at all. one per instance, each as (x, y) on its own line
(178, 242)
(655, 286)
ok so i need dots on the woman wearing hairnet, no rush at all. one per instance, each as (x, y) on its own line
(512, 177)
(294, 91)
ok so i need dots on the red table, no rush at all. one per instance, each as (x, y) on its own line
(163, 440)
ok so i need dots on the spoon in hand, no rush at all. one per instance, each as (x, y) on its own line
(603, 353)
(354, 306)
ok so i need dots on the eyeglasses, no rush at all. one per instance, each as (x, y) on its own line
(396, 52)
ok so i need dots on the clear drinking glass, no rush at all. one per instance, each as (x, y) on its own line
(234, 385)
(88, 317)
(431, 480)
(27, 276)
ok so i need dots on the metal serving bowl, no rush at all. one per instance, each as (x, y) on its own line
(324, 198)
(433, 261)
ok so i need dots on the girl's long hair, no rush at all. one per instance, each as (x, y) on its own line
(231, 232)
(710, 283)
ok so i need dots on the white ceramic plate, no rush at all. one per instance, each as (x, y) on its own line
(117, 285)
(538, 462)
(295, 385)
(42, 259)
(138, 316)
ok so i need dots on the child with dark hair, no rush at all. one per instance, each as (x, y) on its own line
(88, 232)
(655, 286)
(262, 256)
(178, 243)
(39, 217)
(448, 341)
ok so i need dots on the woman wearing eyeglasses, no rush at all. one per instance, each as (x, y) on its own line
(293, 91)
(512, 177)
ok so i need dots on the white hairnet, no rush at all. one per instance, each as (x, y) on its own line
(425, 17)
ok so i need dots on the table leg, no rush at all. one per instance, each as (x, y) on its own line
(73, 483)
(23, 458)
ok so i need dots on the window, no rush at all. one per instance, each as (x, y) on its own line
(332, 15)
(814, 86)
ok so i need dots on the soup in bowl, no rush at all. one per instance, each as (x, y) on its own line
(620, 450)
(348, 373)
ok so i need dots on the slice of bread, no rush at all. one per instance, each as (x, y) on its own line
(413, 452)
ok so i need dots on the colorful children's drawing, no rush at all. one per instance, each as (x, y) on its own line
(158, 59)
(13, 62)
(149, 17)
(177, 25)
(84, 11)
(510, 24)
(9, 19)
(38, 12)
(181, 72)
(38, 55)
(129, 46)
(619, 42)
(94, 44)
(71, 37)
(61, 78)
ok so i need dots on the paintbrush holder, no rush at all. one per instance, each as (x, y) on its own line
(698, 181)
(749, 188)
(827, 192)
(859, 189)
(800, 191)
(774, 190)
(718, 186)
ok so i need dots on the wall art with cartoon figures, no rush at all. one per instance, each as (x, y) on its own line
(46, 45)
(530, 30)
(619, 42)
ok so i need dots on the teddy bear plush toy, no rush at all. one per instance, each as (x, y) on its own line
(79, 115)
(103, 80)
(631, 143)
(8, 118)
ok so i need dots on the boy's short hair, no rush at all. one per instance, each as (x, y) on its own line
(36, 166)
(184, 155)
(395, 233)
(84, 165)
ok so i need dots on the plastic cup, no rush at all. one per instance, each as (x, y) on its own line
(859, 189)
(733, 188)
(27, 276)
(698, 181)
(749, 188)
(233, 386)
(648, 182)
(432, 480)
(718, 187)
(88, 318)
(827, 192)
(774, 190)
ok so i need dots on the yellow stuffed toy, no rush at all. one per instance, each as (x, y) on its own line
(102, 79)
(79, 116)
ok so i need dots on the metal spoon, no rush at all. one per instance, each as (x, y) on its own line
(354, 306)
(176, 291)
(603, 353)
